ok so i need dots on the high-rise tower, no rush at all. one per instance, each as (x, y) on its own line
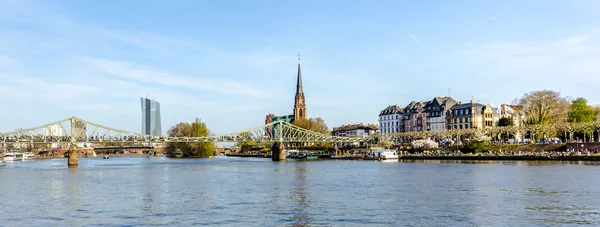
(299, 102)
(151, 117)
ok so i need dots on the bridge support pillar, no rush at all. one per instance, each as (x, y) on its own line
(73, 156)
(278, 152)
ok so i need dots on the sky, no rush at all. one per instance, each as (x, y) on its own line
(230, 63)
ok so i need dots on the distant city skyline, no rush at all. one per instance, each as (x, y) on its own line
(231, 64)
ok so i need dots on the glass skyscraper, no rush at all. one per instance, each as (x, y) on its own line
(151, 117)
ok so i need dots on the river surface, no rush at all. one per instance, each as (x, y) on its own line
(222, 191)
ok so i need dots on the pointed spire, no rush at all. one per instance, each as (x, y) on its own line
(299, 82)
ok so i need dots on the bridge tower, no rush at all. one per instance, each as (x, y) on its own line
(73, 155)
(278, 149)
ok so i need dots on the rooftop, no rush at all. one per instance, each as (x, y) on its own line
(356, 126)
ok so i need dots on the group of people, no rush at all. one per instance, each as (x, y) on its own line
(438, 153)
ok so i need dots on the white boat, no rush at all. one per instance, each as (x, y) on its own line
(384, 154)
(2, 163)
(12, 156)
(291, 153)
(28, 156)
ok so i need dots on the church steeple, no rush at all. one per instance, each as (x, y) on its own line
(299, 102)
(299, 82)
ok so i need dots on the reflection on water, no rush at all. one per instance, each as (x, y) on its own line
(301, 197)
(257, 192)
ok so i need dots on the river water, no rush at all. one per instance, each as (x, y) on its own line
(222, 191)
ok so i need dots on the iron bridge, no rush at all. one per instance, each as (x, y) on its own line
(76, 130)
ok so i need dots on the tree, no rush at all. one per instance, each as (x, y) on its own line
(245, 145)
(196, 129)
(581, 112)
(313, 124)
(543, 107)
(505, 121)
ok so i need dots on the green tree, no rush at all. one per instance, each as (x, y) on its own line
(543, 107)
(245, 145)
(196, 149)
(316, 125)
(313, 124)
(581, 112)
(505, 121)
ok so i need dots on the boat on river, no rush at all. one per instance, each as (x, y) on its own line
(384, 154)
(302, 155)
(13, 156)
(2, 163)
(28, 156)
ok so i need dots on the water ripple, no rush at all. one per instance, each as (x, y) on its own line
(143, 191)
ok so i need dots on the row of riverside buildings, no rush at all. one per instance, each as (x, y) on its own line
(438, 114)
(445, 113)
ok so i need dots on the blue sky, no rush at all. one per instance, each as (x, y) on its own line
(232, 62)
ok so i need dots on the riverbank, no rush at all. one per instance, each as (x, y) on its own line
(514, 158)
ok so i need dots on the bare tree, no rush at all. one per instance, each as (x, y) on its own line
(543, 107)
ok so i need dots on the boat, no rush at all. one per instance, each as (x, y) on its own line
(311, 155)
(292, 154)
(106, 157)
(13, 156)
(303, 155)
(28, 156)
(384, 154)
(2, 163)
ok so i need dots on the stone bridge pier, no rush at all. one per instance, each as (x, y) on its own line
(73, 159)
(278, 152)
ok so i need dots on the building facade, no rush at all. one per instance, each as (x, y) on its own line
(513, 112)
(436, 113)
(53, 130)
(471, 115)
(390, 119)
(151, 122)
(355, 130)
(79, 130)
(415, 118)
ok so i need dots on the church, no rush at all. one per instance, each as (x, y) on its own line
(299, 103)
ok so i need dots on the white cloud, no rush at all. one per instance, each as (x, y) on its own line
(414, 38)
(144, 75)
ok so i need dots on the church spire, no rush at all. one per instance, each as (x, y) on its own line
(299, 82)
(299, 102)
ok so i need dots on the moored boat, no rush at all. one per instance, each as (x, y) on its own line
(28, 156)
(384, 154)
(13, 156)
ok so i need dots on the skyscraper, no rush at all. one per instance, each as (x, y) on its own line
(151, 117)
